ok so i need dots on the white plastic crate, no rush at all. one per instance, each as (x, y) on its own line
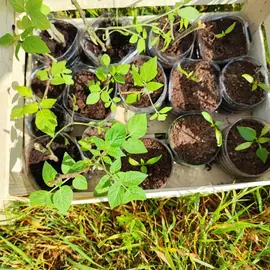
(185, 180)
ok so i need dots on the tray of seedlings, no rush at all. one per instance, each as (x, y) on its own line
(122, 109)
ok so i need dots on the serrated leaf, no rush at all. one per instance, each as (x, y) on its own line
(189, 13)
(93, 98)
(62, 199)
(134, 194)
(133, 39)
(116, 135)
(102, 186)
(115, 152)
(46, 121)
(80, 182)
(133, 162)
(207, 117)
(17, 5)
(34, 44)
(249, 134)
(153, 160)
(105, 60)
(67, 163)
(48, 173)
(262, 154)
(40, 197)
(134, 146)
(24, 91)
(17, 113)
(243, 146)
(116, 166)
(47, 103)
(248, 78)
(131, 178)
(115, 195)
(148, 70)
(141, 45)
(137, 126)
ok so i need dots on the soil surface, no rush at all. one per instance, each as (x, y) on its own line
(81, 90)
(119, 47)
(246, 160)
(58, 49)
(36, 159)
(39, 87)
(158, 173)
(130, 87)
(193, 139)
(233, 44)
(189, 95)
(238, 88)
(179, 47)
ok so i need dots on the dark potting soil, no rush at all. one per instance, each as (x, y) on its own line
(81, 90)
(119, 47)
(158, 173)
(58, 49)
(189, 95)
(36, 158)
(232, 45)
(130, 87)
(179, 47)
(246, 160)
(238, 88)
(39, 87)
(193, 139)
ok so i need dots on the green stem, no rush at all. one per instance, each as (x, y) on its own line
(58, 186)
(157, 112)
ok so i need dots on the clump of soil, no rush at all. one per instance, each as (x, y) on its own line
(39, 88)
(130, 87)
(36, 159)
(58, 49)
(238, 88)
(232, 45)
(158, 173)
(175, 48)
(190, 95)
(246, 160)
(193, 139)
(119, 44)
(81, 91)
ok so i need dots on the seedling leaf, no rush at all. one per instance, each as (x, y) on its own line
(102, 186)
(243, 146)
(115, 195)
(80, 182)
(131, 178)
(133, 162)
(116, 135)
(218, 137)
(46, 121)
(24, 91)
(264, 86)
(62, 199)
(249, 134)
(248, 78)
(67, 163)
(263, 140)
(134, 146)
(262, 154)
(189, 13)
(48, 173)
(134, 193)
(265, 130)
(116, 166)
(149, 70)
(230, 28)
(153, 160)
(93, 98)
(207, 117)
(105, 60)
(34, 44)
(153, 86)
(144, 169)
(137, 126)
(47, 103)
(7, 40)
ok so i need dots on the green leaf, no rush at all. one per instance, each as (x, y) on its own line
(131, 178)
(230, 28)
(101, 74)
(221, 35)
(67, 163)
(218, 137)
(107, 160)
(134, 193)
(39, 20)
(134, 146)
(248, 78)
(105, 60)
(265, 130)
(40, 197)
(119, 78)
(131, 98)
(153, 86)
(133, 162)
(116, 99)
(100, 143)
(34, 44)
(58, 68)
(137, 126)
(17, 5)
(113, 107)
(93, 98)
(32, 5)
(263, 140)
(62, 199)
(42, 75)
(102, 186)
(24, 91)
(80, 182)
(116, 166)
(123, 69)
(105, 97)
(262, 154)
(153, 160)
(141, 45)
(254, 87)
(17, 113)
(94, 88)
(116, 135)
(133, 39)
(149, 70)
(155, 41)
(30, 108)
(46, 121)
(68, 79)
(78, 166)
(48, 173)
(115, 195)
(57, 80)
(7, 40)
(165, 110)
(207, 117)
(45, 9)
(243, 146)
(249, 134)
(138, 81)
(264, 86)
(27, 32)
(154, 116)
(47, 103)
(189, 13)
(17, 50)
(115, 152)
(162, 117)
(218, 123)
(144, 169)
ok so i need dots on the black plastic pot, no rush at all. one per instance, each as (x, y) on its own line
(224, 160)
(177, 111)
(71, 54)
(179, 159)
(160, 100)
(228, 104)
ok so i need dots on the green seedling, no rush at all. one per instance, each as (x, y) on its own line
(215, 125)
(226, 32)
(255, 83)
(143, 164)
(188, 75)
(250, 135)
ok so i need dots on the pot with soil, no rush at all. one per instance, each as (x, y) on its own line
(237, 90)
(178, 48)
(35, 156)
(193, 140)
(194, 86)
(224, 38)
(159, 172)
(146, 102)
(118, 47)
(67, 51)
(243, 163)
(63, 119)
(85, 113)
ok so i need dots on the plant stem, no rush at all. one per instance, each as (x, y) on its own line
(46, 89)
(152, 102)
(59, 186)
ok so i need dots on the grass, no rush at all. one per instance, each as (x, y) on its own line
(223, 231)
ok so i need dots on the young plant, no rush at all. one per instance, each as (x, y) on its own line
(255, 83)
(250, 135)
(189, 75)
(107, 74)
(143, 164)
(226, 32)
(214, 125)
